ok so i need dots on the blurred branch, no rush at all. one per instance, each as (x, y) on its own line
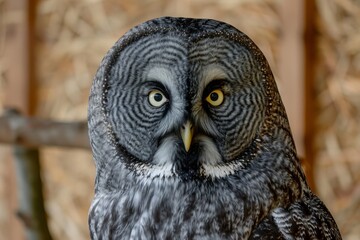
(31, 207)
(33, 132)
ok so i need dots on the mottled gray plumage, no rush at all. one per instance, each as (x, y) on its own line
(238, 179)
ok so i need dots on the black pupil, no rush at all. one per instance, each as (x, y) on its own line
(158, 97)
(214, 96)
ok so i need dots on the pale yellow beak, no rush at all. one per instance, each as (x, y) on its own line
(187, 131)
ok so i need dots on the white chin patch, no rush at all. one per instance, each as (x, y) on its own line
(221, 170)
(209, 154)
(166, 151)
(212, 164)
(163, 159)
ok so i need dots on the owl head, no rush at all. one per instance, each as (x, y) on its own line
(184, 98)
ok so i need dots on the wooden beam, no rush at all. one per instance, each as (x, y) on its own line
(32, 132)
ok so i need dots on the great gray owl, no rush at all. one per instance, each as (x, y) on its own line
(191, 141)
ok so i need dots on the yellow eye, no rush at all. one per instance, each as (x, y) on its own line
(215, 98)
(157, 98)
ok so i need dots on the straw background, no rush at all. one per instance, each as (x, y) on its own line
(72, 36)
(337, 104)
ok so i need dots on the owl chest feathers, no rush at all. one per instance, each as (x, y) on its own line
(227, 201)
(162, 208)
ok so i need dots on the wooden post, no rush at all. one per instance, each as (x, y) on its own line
(31, 208)
(291, 68)
(296, 74)
(309, 93)
(15, 58)
(19, 57)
